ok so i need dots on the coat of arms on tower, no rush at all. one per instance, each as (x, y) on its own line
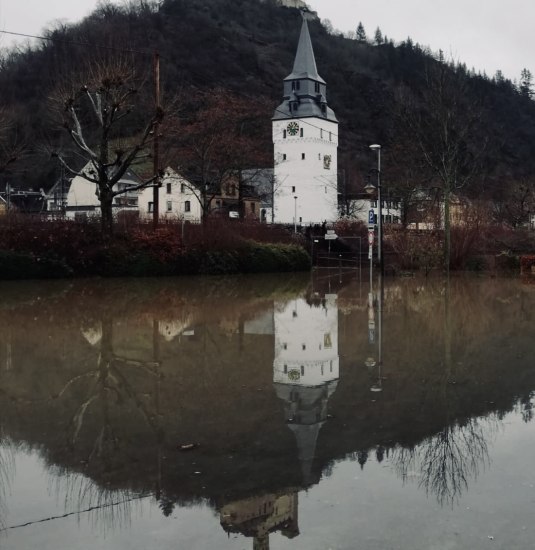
(327, 162)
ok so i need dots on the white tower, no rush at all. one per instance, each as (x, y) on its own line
(305, 138)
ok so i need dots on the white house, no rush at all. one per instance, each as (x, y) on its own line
(177, 198)
(305, 139)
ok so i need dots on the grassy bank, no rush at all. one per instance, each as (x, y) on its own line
(32, 248)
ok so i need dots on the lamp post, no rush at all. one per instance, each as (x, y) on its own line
(370, 189)
(295, 213)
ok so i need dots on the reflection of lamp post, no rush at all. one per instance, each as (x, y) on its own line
(313, 240)
(370, 189)
(295, 213)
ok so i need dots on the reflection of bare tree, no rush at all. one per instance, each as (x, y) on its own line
(109, 385)
(7, 470)
(446, 461)
(107, 509)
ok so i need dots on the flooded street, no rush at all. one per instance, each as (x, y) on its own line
(290, 412)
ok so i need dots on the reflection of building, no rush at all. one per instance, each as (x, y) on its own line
(306, 369)
(259, 516)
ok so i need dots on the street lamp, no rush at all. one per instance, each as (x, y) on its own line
(370, 189)
(295, 213)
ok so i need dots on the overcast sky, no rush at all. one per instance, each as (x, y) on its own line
(485, 34)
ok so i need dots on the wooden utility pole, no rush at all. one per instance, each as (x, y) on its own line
(156, 145)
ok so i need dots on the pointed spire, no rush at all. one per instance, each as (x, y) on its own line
(305, 62)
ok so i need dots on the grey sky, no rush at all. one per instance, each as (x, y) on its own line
(485, 34)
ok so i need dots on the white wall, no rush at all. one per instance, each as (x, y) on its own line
(172, 205)
(308, 179)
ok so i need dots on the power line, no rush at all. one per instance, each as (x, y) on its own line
(75, 43)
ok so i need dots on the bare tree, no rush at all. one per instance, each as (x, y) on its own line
(12, 148)
(223, 138)
(443, 124)
(102, 112)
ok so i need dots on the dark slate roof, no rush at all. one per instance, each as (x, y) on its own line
(305, 62)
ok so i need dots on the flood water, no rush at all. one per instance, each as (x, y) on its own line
(286, 412)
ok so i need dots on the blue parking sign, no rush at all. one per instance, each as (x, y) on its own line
(371, 217)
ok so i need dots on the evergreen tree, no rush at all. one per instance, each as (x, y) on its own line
(526, 83)
(378, 38)
(498, 77)
(361, 33)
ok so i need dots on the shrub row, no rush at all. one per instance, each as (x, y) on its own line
(117, 260)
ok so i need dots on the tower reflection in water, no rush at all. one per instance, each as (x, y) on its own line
(305, 374)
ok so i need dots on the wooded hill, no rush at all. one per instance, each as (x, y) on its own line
(397, 95)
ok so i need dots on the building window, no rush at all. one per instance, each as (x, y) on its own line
(182, 187)
(302, 156)
(319, 156)
(321, 133)
(285, 369)
(168, 186)
(330, 136)
(293, 188)
(302, 370)
(253, 207)
(304, 346)
(301, 132)
(187, 206)
(169, 206)
(151, 207)
(300, 219)
(284, 156)
(373, 204)
(284, 134)
(284, 346)
(317, 87)
(323, 108)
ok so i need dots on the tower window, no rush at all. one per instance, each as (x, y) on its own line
(323, 108)
(301, 132)
(302, 370)
(302, 156)
(284, 134)
(283, 156)
(317, 87)
(285, 369)
(321, 133)
(330, 136)
(168, 186)
(293, 188)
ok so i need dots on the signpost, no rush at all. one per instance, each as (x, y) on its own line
(330, 236)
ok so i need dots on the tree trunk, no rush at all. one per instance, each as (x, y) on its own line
(106, 213)
(447, 228)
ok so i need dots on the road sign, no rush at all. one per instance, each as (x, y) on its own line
(371, 217)
(331, 236)
(371, 236)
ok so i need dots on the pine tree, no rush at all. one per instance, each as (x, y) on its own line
(378, 38)
(361, 33)
(526, 83)
(498, 77)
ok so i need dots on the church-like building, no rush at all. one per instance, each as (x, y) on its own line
(305, 138)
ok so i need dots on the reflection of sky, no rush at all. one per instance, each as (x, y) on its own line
(370, 509)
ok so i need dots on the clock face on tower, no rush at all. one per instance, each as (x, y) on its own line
(293, 128)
